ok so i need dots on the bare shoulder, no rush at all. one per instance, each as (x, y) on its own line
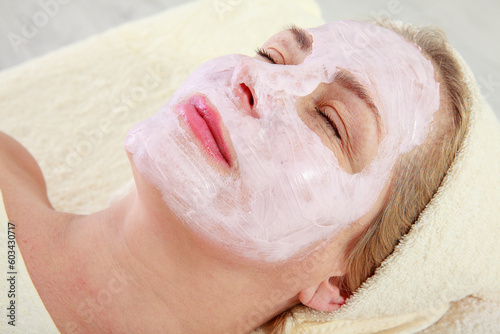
(21, 179)
(26, 202)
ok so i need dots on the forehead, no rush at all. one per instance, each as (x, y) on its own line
(358, 35)
(389, 66)
(363, 47)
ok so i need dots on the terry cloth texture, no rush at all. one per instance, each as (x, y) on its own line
(26, 308)
(72, 109)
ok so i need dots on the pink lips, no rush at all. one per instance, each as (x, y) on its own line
(205, 123)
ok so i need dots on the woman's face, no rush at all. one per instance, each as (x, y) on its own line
(272, 154)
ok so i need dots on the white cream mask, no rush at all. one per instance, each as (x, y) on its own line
(285, 189)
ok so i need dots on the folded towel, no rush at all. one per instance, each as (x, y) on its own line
(72, 109)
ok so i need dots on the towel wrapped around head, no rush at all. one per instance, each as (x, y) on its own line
(77, 104)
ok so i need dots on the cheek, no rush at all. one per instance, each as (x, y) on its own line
(289, 169)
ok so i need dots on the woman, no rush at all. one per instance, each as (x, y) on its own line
(282, 172)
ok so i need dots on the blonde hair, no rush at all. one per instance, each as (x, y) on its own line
(415, 181)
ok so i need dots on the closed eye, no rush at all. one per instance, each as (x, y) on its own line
(265, 54)
(329, 122)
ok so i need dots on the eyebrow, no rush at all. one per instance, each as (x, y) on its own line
(301, 36)
(349, 82)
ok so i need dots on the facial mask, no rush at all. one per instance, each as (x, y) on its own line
(286, 189)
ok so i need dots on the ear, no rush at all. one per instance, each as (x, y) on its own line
(323, 297)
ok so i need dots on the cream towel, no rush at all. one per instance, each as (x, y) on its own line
(72, 109)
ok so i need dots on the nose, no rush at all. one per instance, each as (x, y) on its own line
(243, 86)
(247, 95)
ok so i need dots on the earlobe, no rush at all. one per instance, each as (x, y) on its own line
(325, 297)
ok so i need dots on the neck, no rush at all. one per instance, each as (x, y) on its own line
(119, 269)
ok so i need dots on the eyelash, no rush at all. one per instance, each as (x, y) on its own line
(329, 122)
(263, 53)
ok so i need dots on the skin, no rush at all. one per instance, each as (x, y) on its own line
(114, 255)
